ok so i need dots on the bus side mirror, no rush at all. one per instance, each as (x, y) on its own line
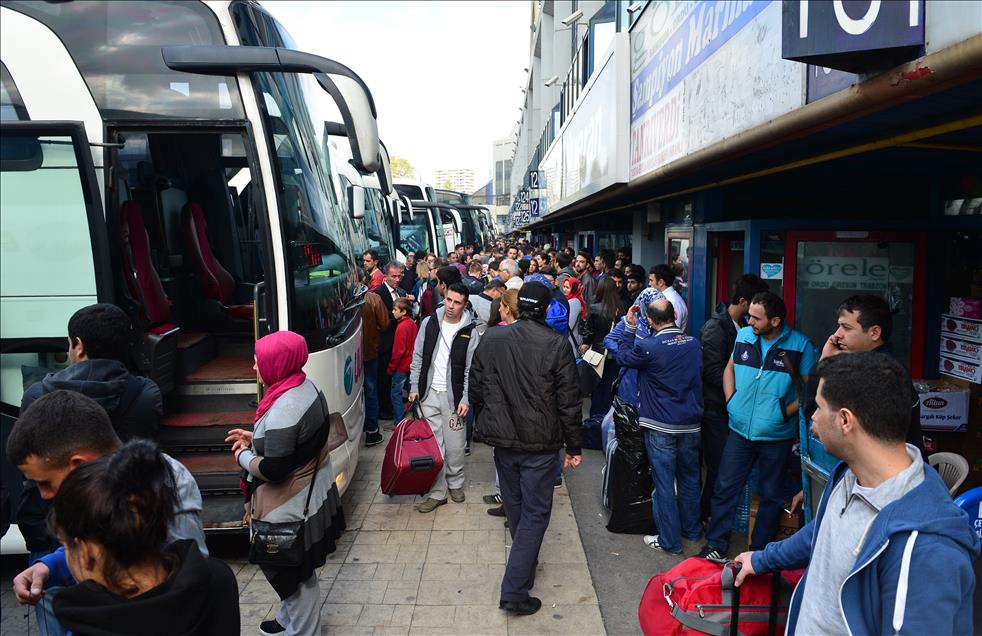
(356, 201)
(354, 102)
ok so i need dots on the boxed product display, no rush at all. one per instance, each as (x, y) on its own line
(944, 405)
(956, 368)
(966, 307)
(962, 349)
(963, 328)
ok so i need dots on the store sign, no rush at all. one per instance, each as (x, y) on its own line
(854, 36)
(824, 81)
(844, 272)
(590, 138)
(772, 271)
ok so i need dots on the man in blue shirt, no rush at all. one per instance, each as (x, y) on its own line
(762, 383)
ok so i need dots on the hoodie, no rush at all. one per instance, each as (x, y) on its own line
(462, 348)
(913, 574)
(200, 597)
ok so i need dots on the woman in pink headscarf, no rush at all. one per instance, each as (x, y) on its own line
(289, 439)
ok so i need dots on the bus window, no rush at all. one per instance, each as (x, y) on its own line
(11, 104)
(411, 191)
(414, 233)
(374, 222)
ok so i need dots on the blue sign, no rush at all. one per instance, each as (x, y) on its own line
(349, 376)
(709, 26)
(534, 209)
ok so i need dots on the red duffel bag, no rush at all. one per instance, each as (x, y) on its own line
(412, 457)
(697, 596)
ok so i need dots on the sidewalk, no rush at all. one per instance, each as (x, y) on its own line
(397, 571)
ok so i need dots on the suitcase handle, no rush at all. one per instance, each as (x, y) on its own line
(415, 410)
(417, 464)
(736, 566)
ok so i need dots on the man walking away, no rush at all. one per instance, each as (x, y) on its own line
(718, 336)
(473, 278)
(888, 552)
(439, 376)
(510, 273)
(770, 360)
(669, 364)
(526, 435)
(481, 304)
(662, 278)
(374, 321)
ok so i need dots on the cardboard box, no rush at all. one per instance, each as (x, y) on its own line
(786, 525)
(963, 369)
(944, 405)
(961, 349)
(963, 328)
(966, 307)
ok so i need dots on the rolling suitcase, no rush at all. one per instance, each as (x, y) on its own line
(697, 596)
(412, 457)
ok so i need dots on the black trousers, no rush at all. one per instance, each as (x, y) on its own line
(715, 429)
(384, 385)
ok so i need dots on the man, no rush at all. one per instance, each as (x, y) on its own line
(461, 252)
(583, 267)
(888, 551)
(439, 378)
(512, 253)
(493, 266)
(526, 436)
(669, 365)
(617, 276)
(865, 323)
(717, 337)
(374, 321)
(565, 263)
(59, 432)
(770, 361)
(481, 304)
(474, 280)
(634, 285)
(370, 263)
(603, 262)
(662, 278)
(445, 277)
(510, 273)
(388, 291)
(409, 277)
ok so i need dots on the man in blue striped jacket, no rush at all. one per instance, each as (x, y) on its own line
(670, 408)
(761, 382)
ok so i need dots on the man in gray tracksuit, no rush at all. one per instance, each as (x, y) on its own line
(438, 377)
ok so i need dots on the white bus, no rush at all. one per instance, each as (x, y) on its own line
(165, 157)
(443, 232)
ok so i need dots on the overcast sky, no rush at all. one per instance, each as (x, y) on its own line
(446, 76)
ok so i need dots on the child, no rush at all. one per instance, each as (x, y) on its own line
(402, 353)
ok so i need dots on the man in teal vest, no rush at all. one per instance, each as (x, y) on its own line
(762, 383)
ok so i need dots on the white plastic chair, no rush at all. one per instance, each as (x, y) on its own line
(952, 467)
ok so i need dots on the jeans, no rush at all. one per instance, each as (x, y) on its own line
(371, 396)
(398, 402)
(738, 460)
(526, 493)
(715, 429)
(674, 460)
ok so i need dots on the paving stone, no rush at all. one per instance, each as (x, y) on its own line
(402, 616)
(432, 616)
(368, 537)
(373, 554)
(452, 554)
(357, 572)
(340, 614)
(566, 584)
(258, 591)
(400, 593)
(570, 620)
(479, 592)
(409, 537)
(446, 537)
(329, 571)
(357, 592)
(376, 615)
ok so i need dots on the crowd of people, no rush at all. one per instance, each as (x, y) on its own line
(502, 346)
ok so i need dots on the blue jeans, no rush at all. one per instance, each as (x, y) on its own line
(44, 612)
(738, 460)
(371, 396)
(674, 459)
(398, 402)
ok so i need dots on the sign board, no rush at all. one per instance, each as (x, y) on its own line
(534, 207)
(852, 36)
(534, 180)
(864, 273)
(523, 195)
(772, 271)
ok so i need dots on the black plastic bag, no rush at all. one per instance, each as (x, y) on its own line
(628, 476)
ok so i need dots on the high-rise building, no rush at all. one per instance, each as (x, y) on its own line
(459, 179)
(502, 155)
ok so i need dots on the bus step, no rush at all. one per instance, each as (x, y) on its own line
(202, 431)
(224, 514)
(223, 369)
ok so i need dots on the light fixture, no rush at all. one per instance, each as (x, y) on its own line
(552, 80)
(635, 6)
(573, 17)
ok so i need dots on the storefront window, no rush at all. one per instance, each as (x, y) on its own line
(772, 261)
(679, 256)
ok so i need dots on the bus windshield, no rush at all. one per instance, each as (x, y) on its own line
(414, 233)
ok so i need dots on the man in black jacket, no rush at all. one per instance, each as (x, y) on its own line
(717, 337)
(511, 364)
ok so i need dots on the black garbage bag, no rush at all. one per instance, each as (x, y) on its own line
(627, 477)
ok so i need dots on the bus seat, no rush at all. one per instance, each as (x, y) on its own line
(216, 283)
(171, 200)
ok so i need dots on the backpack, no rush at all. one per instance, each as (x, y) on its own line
(557, 317)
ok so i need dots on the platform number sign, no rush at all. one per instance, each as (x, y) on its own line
(534, 207)
(534, 179)
(523, 196)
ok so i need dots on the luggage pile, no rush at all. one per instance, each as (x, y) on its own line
(627, 477)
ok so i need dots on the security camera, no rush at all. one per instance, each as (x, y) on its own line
(552, 80)
(635, 7)
(573, 17)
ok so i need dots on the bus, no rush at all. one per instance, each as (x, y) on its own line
(444, 222)
(166, 157)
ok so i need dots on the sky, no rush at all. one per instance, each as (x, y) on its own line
(447, 77)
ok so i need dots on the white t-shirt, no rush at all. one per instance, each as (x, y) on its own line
(681, 311)
(442, 360)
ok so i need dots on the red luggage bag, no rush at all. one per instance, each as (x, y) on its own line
(412, 457)
(697, 596)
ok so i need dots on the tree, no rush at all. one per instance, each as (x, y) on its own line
(401, 168)
(447, 184)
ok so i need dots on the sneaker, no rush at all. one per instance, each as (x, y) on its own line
(651, 540)
(531, 605)
(373, 439)
(493, 500)
(430, 504)
(467, 451)
(457, 494)
(559, 483)
(497, 512)
(271, 628)
(710, 553)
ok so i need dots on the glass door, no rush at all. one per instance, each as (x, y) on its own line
(726, 266)
(678, 256)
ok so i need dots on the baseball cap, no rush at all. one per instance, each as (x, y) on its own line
(534, 296)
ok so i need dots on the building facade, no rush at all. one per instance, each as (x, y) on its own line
(458, 179)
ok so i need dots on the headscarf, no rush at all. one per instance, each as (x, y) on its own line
(576, 291)
(280, 357)
(647, 296)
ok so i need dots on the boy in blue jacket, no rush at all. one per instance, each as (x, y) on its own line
(888, 552)
(669, 368)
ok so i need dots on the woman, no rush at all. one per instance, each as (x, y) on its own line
(112, 516)
(533, 266)
(577, 305)
(509, 307)
(288, 441)
(429, 296)
(606, 310)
